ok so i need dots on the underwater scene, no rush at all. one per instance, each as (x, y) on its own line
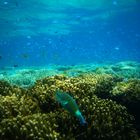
(70, 70)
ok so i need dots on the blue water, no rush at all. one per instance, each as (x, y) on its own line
(82, 36)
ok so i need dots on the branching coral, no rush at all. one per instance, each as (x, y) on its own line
(7, 89)
(107, 120)
(36, 114)
(128, 93)
(129, 89)
(11, 106)
(36, 126)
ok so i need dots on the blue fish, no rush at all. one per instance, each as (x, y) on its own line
(70, 105)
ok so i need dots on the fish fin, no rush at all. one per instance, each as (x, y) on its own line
(64, 103)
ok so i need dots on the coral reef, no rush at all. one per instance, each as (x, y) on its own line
(129, 89)
(7, 89)
(11, 106)
(108, 119)
(26, 77)
(127, 93)
(36, 126)
(34, 113)
(127, 69)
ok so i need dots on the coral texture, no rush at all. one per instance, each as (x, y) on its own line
(34, 113)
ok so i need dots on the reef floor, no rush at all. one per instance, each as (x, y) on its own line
(26, 76)
(108, 96)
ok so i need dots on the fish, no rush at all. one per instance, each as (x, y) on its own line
(69, 104)
(24, 55)
(15, 65)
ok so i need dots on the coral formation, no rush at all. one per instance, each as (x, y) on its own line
(36, 126)
(7, 89)
(129, 89)
(127, 93)
(26, 77)
(127, 69)
(11, 106)
(34, 113)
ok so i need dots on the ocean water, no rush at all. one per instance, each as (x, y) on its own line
(37, 33)
(89, 49)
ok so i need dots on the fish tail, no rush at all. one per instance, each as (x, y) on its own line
(81, 118)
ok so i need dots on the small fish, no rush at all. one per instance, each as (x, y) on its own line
(24, 55)
(15, 65)
(70, 105)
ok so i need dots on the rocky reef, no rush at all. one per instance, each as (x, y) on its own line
(103, 99)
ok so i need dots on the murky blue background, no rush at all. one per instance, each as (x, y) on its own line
(37, 33)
